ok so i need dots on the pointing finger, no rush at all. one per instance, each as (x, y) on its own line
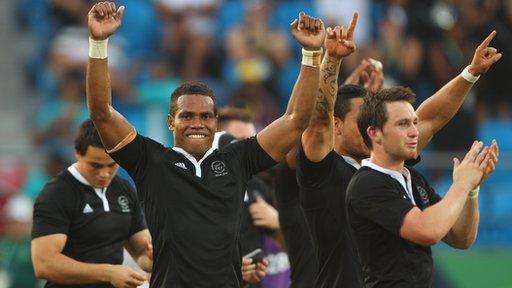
(488, 40)
(352, 27)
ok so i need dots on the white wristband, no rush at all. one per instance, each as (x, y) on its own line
(311, 58)
(474, 193)
(468, 76)
(98, 48)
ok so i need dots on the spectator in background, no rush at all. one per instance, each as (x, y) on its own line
(38, 175)
(15, 265)
(255, 50)
(260, 220)
(494, 99)
(69, 12)
(189, 27)
(257, 99)
(58, 118)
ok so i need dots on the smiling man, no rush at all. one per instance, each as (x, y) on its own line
(193, 192)
(394, 214)
(82, 220)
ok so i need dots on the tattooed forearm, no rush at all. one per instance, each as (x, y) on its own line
(329, 74)
(322, 104)
(328, 87)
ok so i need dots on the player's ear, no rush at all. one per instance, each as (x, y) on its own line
(338, 126)
(375, 134)
(170, 122)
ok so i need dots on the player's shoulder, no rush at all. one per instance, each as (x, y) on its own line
(365, 174)
(59, 188)
(122, 185)
(367, 180)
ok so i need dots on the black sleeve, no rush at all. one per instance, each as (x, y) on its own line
(134, 157)
(374, 197)
(53, 210)
(249, 156)
(138, 221)
(312, 177)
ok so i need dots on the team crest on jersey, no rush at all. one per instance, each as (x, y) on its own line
(423, 195)
(219, 168)
(124, 203)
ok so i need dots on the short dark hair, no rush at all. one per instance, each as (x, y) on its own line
(189, 88)
(230, 113)
(87, 136)
(373, 112)
(345, 94)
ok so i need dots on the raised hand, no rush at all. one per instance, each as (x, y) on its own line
(308, 31)
(369, 74)
(484, 56)
(104, 20)
(339, 42)
(469, 172)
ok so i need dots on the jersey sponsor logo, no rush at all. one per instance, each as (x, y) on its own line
(219, 168)
(124, 203)
(181, 165)
(423, 195)
(87, 209)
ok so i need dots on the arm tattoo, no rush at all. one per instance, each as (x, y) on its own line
(328, 87)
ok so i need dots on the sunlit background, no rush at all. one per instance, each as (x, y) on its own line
(244, 51)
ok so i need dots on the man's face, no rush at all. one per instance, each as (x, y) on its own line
(240, 130)
(194, 124)
(349, 140)
(399, 135)
(96, 166)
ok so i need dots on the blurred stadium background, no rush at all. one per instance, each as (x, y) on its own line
(244, 50)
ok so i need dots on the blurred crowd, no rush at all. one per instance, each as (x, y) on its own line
(245, 52)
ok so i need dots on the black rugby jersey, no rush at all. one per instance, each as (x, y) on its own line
(193, 208)
(376, 206)
(94, 235)
(299, 246)
(322, 191)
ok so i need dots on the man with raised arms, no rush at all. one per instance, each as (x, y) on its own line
(193, 192)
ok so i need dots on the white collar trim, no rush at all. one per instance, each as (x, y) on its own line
(192, 159)
(396, 175)
(101, 192)
(351, 161)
